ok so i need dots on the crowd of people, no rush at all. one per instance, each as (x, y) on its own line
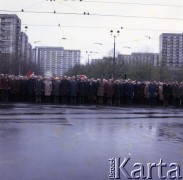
(82, 90)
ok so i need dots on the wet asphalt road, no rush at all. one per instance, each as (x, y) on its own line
(52, 142)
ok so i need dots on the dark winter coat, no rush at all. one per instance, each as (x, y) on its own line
(55, 88)
(117, 90)
(23, 86)
(123, 89)
(129, 89)
(82, 88)
(152, 90)
(14, 86)
(166, 90)
(136, 90)
(176, 91)
(141, 89)
(5, 83)
(0, 83)
(31, 82)
(91, 89)
(64, 87)
(38, 87)
(73, 88)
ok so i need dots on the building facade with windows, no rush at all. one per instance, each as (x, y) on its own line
(171, 49)
(56, 60)
(29, 53)
(24, 47)
(10, 34)
(137, 58)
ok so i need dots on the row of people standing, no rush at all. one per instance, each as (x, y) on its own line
(74, 90)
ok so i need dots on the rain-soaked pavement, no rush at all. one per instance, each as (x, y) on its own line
(52, 142)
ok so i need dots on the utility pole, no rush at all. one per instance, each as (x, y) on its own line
(114, 35)
(90, 52)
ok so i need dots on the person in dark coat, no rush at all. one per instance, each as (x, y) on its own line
(31, 91)
(109, 91)
(65, 89)
(82, 91)
(14, 88)
(92, 91)
(123, 92)
(129, 92)
(136, 93)
(181, 88)
(166, 93)
(152, 91)
(73, 90)
(141, 89)
(56, 90)
(171, 98)
(1, 87)
(117, 92)
(23, 88)
(176, 94)
(38, 88)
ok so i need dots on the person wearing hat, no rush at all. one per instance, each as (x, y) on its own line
(38, 87)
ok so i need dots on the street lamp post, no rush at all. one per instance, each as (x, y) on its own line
(113, 34)
(90, 52)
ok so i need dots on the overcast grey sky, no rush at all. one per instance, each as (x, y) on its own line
(82, 31)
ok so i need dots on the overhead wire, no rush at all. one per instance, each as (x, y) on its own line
(103, 15)
(99, 18)
(97, 14)
(54, 10)
(128, 3)
(102, 27)
(131, 3)
(88, 13)
(72, 8)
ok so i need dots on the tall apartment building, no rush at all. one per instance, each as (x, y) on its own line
(10, 29)
(56, 60)
(29, 52)
(24, 47)
(137, 58)
(171, 49)
(33, 59)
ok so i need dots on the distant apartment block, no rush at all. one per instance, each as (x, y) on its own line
(171, 49)
(10, 31)
(13, 42)
(34, 56)
(29, 52)
(56, 60)
(137, 58)
(94, 61)
(24, 47)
